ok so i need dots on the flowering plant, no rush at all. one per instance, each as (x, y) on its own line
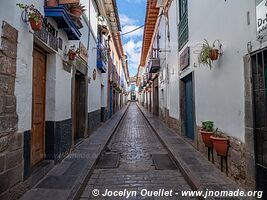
(32, 12)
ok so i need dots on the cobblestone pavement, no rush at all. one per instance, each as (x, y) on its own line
(135, 142)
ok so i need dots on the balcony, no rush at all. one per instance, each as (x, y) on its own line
(154, 65)
(114, 76)
(102, 58)
(61, 15)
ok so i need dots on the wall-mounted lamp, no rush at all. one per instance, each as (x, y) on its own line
(164, 50)
(249, 47)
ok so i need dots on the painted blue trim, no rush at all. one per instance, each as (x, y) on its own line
(61, 15)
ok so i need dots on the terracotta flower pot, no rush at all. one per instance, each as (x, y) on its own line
(206, 138)
(214, 54)
(36, 25)
(220, 145)
(51, 3)
(77, 12)
(72, 55)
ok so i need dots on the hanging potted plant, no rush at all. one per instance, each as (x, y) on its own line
(34, 16)
(208, 53)
(72, 52)
(51, 3)
(207, 131)
(77, 10)
(220, 143)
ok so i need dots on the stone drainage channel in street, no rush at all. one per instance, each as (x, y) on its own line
(135, 160)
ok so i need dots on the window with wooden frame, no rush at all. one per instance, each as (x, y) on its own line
(183, 24)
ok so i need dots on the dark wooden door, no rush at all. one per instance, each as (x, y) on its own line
(156, 101)
(79, 107)
(189, 120)
(38, 107)
(76, 104)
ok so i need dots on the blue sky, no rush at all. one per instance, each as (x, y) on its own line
(132, 15)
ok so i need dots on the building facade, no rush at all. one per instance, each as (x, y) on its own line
(184, 92)
(50, 101)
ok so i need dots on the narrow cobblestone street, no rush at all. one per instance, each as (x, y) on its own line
(133, 99)
(135, 142)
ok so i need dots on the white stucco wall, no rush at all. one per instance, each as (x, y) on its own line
(58, 94)
(63, 92)
(173, 62)
(11, 13)
(94, 87)
(220, 92)
(168, 79)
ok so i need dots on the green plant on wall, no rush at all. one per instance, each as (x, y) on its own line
(208, 53)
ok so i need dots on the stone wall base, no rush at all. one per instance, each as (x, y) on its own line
(237, 155)
(235, 160)
(94, 120)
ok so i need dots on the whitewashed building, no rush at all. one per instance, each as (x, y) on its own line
(231, 93)
(48, 102)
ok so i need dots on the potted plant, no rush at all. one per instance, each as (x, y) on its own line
(220, 143)
(77, 10)
(72, 52)
(208, 53)
(206, 131)
(34, 16)
(51, 3)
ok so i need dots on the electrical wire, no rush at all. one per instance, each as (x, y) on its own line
(133, 30)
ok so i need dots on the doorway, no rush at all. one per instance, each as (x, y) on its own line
(150, 101)
(79, 106)
(188, 106)
(114, 102)
(156, 101)
(38, 107)
(259, 75)
(110, 101)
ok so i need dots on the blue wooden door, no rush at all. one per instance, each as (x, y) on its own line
(189, 120)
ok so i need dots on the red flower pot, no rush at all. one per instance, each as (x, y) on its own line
(72, 55)
(206, 138)
(36, 25)
(214, 54)
(51, 3)
(77, 12)
(220, 145)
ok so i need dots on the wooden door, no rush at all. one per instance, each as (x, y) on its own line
(79, 106)
(38, 108)
(156, 101)
(189, 120)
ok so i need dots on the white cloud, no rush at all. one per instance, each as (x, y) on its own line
(133, 41)
(125, 20)
(133, 50)
(136, 33)
(136, 1)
